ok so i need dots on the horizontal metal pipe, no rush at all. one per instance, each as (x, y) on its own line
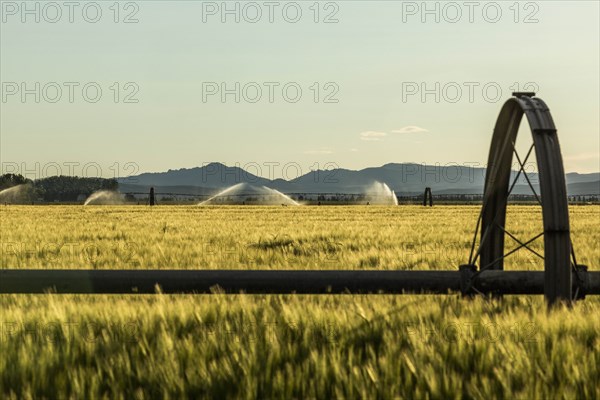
(271, 281)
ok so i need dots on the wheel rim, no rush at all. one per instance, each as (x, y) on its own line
(554, 202)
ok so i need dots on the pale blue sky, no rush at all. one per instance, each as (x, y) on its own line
(370, 54)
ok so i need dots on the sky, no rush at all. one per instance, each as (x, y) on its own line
(281, 88)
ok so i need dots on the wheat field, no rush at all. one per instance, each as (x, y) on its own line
(286, 346)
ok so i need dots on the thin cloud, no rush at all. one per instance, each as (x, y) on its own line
(582, 157)
(410, 129)
(319, 152)
(372, 136)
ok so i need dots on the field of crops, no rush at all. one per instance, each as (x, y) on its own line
(274, 346)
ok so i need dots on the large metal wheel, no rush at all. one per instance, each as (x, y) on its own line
(553, 196)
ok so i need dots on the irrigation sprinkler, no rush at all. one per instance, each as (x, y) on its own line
(563, 280)
(151, 197)
(559, 256)
(427, 195)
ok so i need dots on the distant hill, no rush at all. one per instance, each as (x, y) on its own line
(214, 175)
(404, 179)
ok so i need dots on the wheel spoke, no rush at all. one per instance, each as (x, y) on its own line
(487, 229)
(508, 254)
(475, 236)
(522, 165)
(483, 238)
(513, 237)
(520, 169)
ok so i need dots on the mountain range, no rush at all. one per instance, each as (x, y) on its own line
(404, 179)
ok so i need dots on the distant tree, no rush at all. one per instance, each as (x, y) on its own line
(68, 188)
(10, 180)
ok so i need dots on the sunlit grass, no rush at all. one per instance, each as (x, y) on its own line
(407, 237)
(185, 346)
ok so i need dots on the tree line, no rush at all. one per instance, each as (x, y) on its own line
(56, 188)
